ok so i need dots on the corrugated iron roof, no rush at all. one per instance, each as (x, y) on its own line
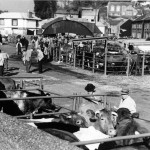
(17, 15)
(70, 25)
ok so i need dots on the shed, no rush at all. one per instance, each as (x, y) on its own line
(69, 25)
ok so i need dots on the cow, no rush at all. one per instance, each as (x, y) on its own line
(74, 119)
(126, 125)
(33, 106)
(88, 103)
(8, 83)
(9, 107)
(64, 126)
(102, 121)
(69, 125)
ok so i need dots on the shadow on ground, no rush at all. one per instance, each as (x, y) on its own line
(60, 69)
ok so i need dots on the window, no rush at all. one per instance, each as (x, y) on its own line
(112, 8)
(14, 22)
(123, 8)
(118, 8)
(1, 21)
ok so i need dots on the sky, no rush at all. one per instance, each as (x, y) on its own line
(17, 5)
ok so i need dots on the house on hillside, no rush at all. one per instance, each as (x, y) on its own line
(65, 13)
(141, 27)
(121, 9)
(18, 23)
(89, 13)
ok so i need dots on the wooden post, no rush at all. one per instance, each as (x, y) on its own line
(66, 57)
(105, 69)
(74, 63)
(137, 64)
(59, 52)
(143, 64)
(74, 103)
(83, 59)
(41, 84)
(93, 66)
(53, 53)
(105, 101)
(128, 64)
(56, 53)
(21, 84)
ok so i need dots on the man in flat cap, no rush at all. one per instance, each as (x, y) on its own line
(127, 101)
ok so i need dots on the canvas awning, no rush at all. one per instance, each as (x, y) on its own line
(67, 25)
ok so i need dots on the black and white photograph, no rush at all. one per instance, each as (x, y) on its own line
(74, 74)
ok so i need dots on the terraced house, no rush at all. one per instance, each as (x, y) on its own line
(141, 27)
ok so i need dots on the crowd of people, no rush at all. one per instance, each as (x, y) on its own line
(43, 46)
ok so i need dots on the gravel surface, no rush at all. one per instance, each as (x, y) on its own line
(15, 135)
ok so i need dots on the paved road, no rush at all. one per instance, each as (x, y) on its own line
(66, 80)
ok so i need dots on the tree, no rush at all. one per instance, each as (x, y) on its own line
(88, 3)
(45, 9)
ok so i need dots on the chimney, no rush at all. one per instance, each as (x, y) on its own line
(29, 14)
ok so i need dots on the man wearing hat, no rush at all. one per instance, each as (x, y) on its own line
(90, 88)
(127, 101)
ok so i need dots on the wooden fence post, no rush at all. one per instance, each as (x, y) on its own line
(105, 101)
(93, 66)
(53, 53)
(128, 64)
(143, 64)
(56, 53)
(21, 84)
(74, 63)
(59, 52)
(83, 59)
(74, 103)
(105, 69)
(41, 84)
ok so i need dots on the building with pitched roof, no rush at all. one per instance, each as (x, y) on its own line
(121, 9)
(141, 27)
(18, 23)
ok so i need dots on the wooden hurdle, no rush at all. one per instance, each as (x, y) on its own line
(22, 79)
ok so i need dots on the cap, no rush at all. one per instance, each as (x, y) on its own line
(124, 91)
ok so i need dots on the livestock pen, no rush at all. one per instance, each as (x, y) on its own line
(75, 102)
(98, 54)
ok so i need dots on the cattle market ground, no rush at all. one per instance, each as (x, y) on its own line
(66, 80)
